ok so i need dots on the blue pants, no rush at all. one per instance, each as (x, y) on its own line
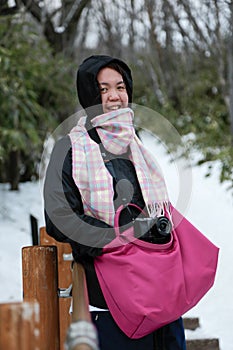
(169, 337)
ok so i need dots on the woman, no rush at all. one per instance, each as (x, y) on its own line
(77, 180)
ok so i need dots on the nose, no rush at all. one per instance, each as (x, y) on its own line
(113, 95)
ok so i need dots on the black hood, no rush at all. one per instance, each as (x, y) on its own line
(87, 85)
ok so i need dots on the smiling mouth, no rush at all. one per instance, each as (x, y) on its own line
(113, 108)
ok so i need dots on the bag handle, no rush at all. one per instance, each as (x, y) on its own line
(118, 213)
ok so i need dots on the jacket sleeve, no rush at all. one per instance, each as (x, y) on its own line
(64, 214)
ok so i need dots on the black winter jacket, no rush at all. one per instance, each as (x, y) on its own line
(61, 194)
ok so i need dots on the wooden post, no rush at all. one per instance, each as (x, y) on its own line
(79, 290)
(40, 282)
(80, 300)
(64, 281)
(20, 327)
(80, 295)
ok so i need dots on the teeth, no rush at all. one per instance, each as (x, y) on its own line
(113, 108)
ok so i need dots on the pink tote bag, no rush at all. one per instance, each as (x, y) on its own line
(146, 285)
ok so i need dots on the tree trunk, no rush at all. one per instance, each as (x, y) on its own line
(6, 10)
(60, 41)
(13, 168)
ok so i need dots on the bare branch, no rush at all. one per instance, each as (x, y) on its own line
(183, 30)
(33, 8)
(75, 12)
(193, 21)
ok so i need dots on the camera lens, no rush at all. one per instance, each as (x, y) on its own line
(164, 226)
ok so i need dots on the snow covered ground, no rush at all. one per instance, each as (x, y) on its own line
(209, 208)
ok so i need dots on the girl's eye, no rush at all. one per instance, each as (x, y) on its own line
(121, 88)
(103, 90)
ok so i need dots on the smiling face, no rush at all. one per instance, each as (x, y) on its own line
(112, 89)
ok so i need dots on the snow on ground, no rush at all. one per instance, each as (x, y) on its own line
(15, 233)
(209, 208)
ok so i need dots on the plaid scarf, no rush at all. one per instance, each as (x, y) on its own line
(91, 176)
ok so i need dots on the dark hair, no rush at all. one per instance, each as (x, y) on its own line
(115, 66)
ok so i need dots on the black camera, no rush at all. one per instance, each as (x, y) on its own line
(154, 230)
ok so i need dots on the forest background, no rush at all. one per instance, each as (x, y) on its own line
(180, 52)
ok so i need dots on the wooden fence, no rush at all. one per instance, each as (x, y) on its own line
(41, 321)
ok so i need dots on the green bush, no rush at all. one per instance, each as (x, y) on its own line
(36, 94)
